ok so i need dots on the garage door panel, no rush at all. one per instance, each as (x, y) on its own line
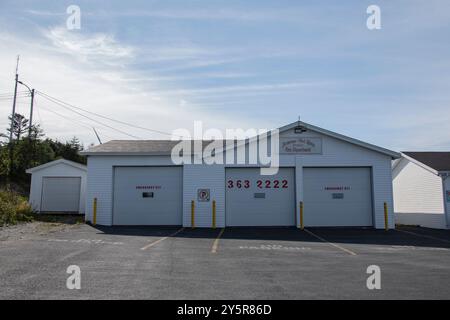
(337, 197)
(60, 194)
(330, 215)
(260, 200)
(148, 196)
(317, 192)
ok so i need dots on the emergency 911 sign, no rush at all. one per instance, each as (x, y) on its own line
(203, 195)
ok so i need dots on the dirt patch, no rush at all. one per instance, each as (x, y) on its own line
(42, 225)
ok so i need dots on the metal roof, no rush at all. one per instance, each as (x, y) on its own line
(439, 161)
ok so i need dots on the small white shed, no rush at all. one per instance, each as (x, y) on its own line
(58, 186)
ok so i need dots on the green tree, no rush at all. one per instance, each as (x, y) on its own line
(28, 154)
(20, 126)
(32, 150)
(68, 150)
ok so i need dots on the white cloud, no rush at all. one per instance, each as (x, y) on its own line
(183, 103)
(97, 46)
(244, 88)
(55, 68)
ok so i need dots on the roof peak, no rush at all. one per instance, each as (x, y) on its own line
(436, 160)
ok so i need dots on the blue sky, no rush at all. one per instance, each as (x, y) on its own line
(247, 64)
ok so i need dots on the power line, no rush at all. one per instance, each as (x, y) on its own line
(56, 100)
(67, 118)
(12, 93)
(19, 95)
(104, 117)
(81, 123)
(8, 96)
(94, 120)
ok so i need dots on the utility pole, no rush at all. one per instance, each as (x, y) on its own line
(14, 102)
(31, 107)
(13, 115)
(31, 114)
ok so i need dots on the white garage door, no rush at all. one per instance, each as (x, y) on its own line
(337, 197)
(256, 200)
(148, 196)
(60, 194)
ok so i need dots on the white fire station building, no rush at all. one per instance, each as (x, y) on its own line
(338, 180)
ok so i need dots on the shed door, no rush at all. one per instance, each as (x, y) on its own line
(256, 200)
(337, 197)
(60, 194)
(148, 196)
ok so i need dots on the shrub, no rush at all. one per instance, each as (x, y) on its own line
(7, 213)
(14, 208)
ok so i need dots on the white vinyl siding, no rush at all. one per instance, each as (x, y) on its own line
(418, 196)
(447, 200)
(204, 177)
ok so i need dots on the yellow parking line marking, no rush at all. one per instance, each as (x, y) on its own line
(216, 242)
(162, 239)
(331, 243)
(423, 236)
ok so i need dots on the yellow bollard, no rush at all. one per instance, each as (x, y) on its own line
(386, 223)
(192, 214)
(301, 216)
(94, 213)
(214, 214)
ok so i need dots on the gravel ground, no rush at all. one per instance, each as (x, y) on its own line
(45, 225)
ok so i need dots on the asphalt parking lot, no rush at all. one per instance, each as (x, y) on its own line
(234, 263)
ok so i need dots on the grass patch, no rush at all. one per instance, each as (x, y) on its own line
(14, 208)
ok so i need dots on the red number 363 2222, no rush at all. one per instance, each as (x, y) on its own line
(261, 184)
